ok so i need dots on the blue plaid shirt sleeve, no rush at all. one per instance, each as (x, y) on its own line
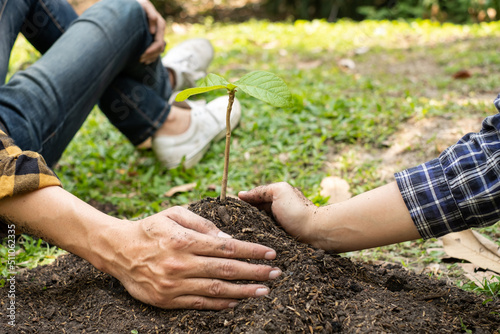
(461, 188)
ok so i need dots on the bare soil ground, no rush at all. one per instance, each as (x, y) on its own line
(317, 293)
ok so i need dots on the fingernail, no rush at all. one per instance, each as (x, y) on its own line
(233, 304)
(261, 292)
(274, 273)
(224, 235)
(270, 255)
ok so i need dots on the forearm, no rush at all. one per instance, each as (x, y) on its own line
(173, 259)
(375, 218)
(61, 219)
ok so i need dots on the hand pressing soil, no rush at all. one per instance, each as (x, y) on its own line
(318, 292)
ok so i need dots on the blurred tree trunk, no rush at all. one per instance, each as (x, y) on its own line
(313, 9)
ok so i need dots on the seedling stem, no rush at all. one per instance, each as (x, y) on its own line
(230, 102)
(259, 84)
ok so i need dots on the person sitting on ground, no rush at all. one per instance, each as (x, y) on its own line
(110, 56)
(457, 191)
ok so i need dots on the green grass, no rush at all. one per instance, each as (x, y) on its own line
(29, 252)
(407, 74)
(490, 288)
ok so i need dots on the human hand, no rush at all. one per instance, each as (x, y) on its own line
(361, 222)
(288, 205)
(157, 29)
(176, 259)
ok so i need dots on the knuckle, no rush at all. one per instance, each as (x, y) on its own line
(229, 247)
(175, 210)
(227, 270)
(285, 187)
(198, 303)
(216, 288)
(282, 185)
(255, 253)
(158, 300)
(180, 242)
(165, 285)
(173, 267)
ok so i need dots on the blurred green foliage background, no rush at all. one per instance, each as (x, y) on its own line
(458, 11)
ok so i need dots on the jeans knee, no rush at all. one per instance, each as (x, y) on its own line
(117, 15)
(126, 11)
(119, 20)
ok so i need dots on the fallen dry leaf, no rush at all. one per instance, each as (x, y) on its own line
(271, 45)
(462, 74)
(492, 247)
(347, 64)
(478, 277)
(335, 188)
(179, 189)
(466, 246)
(283, 157)
(307, 65)
(433, 268)
(361, 50)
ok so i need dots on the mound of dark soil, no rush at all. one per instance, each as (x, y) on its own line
(317, 293)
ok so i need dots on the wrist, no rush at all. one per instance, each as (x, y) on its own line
(63, 220)
(309, 222)
(103, 242)
(74, 225)
(322, 229)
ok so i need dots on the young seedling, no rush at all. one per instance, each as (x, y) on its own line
(262, 85)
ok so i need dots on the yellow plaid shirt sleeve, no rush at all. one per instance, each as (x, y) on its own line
(22, 171)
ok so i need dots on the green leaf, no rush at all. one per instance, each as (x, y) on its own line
(213, 80)
(209, 83)
(197, 90)
(267, 87)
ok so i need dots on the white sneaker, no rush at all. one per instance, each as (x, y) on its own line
(189, 61)
(208, 124)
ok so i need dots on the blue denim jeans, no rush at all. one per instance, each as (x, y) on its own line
(86, 60)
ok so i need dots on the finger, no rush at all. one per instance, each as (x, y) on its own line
(157, 47)
(160, 30)
(232, 270)
(215, 288)
(151, 15)
(281, 194)
(201, 303)
(152, 52)
(263, 194)
(152, 24)
(189, 219)
(231, 248)
(159, 36)
(146, 57)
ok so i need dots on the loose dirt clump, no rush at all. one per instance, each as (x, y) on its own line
(318, 292)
